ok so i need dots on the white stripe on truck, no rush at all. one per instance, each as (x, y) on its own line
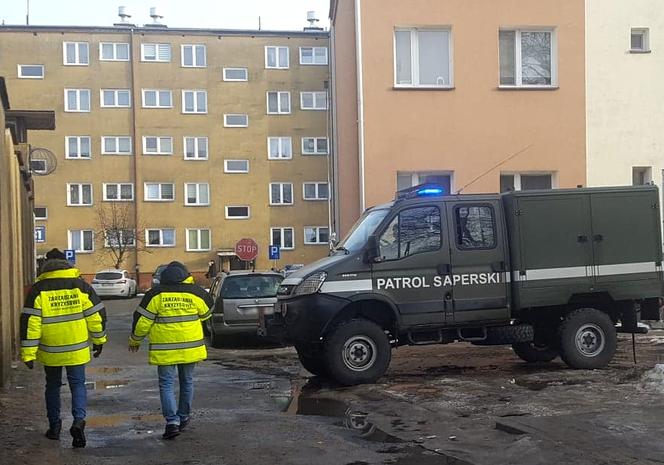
(347, 286)
(587, 271)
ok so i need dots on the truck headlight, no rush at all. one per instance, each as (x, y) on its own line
(311, 284)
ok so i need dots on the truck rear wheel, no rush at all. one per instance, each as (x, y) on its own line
(314, 364)
(534, 352)
(356, 352)
(587, 339)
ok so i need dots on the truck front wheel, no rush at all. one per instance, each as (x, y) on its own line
(311, 361)
(587, 339)
(357, 352)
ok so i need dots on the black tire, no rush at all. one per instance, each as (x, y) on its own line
(357, 352)
(503, 335)
(533, 352)
(314, 364)
(215, 339)
(587, 339)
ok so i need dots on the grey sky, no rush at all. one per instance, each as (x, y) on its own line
(231, 14)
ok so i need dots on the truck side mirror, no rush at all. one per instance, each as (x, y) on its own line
(372, 253)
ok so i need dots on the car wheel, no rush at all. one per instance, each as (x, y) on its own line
(215, 339)
(587, 339)
(313, 363)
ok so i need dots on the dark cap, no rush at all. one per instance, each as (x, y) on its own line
(55, 254)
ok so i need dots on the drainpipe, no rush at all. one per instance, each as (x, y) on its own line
(360, 100)
(134, 149)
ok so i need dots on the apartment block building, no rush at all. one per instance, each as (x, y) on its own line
(176, 143)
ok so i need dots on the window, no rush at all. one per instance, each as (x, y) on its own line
(236, 121)
(31, 71)
(198, 240)
(278, 103)
(527, 58)
(41, 213)
(153, 145)
(641, 175)
(279, 148)
(77, 100)
(157, 98)
(475, 227)
(313, 100)
(525, 182)
(156, 52)
(639, 41)
(75, 53)
(38, 166)
(313, 55)
(283, 237)
(411, 232)
(276, 57)
(110, 51)
(423, 58)
(116, 145)
(160, 237)
(236, 74)
(281, 193)
(406, 179)
(115, 98)
(81, 240)
(119, 238)
(77, 147)
(159, 192)
(196, 194)
(118, 192)
(195, 148)
(79, 195)
(193, 56)
(194, 101)
(315, 191)
(236, 166)
(314, 146)
(316, 235)
(236, 212)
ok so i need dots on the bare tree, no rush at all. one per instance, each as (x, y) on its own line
(115, 224)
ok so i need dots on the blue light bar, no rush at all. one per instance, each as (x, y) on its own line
(430, 191)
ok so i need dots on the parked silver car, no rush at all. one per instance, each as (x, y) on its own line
(238, 296)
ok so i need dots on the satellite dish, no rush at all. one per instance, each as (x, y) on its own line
(42, 161)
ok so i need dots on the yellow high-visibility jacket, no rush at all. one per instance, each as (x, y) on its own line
(170, 315)
(60, 316)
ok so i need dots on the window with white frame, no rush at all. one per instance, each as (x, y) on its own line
(198, 240)
(113, 51)
(640, 40)
(237, 212)
(119, 238)
(641, 175)
(79, 195)
(313, 100)
(118, 192)
(278, 103)
(38, 166)
(281, 193)
(194, 101)
(158, 192)
(236, 120)
(115, 98)
(316, 235)
(31, 71)
(423, 57)
(77, 100)
(153, 98)
(315, 191)
(236, 74)
(77, 147)
(81, 240)
(157, 145)
(116, 145)
(276, 57)
(75, 53)
(160, 237)
(156, 52)
(195, 148)
(41, 213)
(527, 58)
(525, 181)
(283, 237)
(314, 146)
(196, 194)
(313, 55)
(279, 148)
(236, 166)
(193, 56)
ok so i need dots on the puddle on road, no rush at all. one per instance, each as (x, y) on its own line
(106, 384)
(539, 385)
(109, 421)
(103, 370)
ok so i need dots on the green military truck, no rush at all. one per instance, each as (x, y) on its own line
(553, 273)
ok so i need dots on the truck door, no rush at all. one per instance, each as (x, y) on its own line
(413, 250)
(478, 272)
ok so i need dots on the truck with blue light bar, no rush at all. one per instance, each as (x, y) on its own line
(553, 273)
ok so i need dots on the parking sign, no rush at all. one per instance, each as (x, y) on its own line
(274, 252)
(70, 255)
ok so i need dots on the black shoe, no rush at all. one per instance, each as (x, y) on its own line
(54, 431)
(77, 433)
(171, 432)
(184, 423)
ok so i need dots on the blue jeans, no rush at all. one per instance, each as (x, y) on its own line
(175, 413)
(79, 396)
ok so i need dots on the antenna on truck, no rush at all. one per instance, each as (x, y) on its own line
(514, 155)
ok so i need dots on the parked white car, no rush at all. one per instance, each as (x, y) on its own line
(114, 283)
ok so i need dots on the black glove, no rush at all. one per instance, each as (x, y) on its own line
(30, 364)
(96, 350)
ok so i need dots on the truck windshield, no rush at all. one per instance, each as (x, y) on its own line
(364, 227)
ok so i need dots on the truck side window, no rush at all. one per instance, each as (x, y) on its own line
(475, 228)
(413, 231)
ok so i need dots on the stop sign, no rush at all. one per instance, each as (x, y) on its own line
(246, 249)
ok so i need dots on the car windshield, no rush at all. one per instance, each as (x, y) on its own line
(250, 287)
(364, 227)
(107, 276)
(159, 270)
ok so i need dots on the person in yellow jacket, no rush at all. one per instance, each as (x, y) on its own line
(171, 316)
(61, 315)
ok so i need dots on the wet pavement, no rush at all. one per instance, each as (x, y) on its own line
(455, 404)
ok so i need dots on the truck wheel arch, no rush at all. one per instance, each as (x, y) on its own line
(370, 307)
